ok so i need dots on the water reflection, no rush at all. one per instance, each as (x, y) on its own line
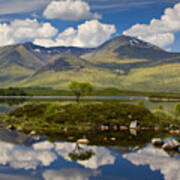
(69, 174)
(156, 159)
(24, 158)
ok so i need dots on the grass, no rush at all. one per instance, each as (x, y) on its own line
(57, 117)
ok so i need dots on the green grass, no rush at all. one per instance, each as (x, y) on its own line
(57, 116)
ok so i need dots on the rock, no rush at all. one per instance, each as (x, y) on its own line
(10, 127)
(114, 127)
(82, 141)
(123, 128)
(174, 131)
(134, 125)
(172, 144)
(32, 133)
(157, 141)
(134, 132)
(147, 128)
(113, 139)
(173, 127)
(19, 129)
(70, 138)
(157, 128)
(105, 127)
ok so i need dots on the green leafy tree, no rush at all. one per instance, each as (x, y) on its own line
(177, 109)
(141, 102)
(80, 89)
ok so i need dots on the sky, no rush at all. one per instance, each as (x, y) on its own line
(89, 23)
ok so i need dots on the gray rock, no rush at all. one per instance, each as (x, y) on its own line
(170, 145)
(32, 133)
(157, 141)
(19, 129)
(10, 127)
(134, 125)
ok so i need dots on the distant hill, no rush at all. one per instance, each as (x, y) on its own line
(123, 62)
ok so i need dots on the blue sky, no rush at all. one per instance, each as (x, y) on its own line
(89, 23)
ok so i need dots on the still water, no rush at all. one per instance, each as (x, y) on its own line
(130, 157)
(25, 158)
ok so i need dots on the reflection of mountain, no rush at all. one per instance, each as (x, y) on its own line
(102, 155)
(122, 150)
(17, 138)
(157, 159)
(69, 174)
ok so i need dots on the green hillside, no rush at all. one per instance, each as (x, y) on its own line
(123, 62)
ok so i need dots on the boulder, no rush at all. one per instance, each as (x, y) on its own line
(113, 139)
(123, 128)
(10, 127)
(157, 141)
(170, 145)
(105, 127)
(82, 141)
(32, 133)
(134, 132)
(173, 127)
(114, 127)
(134, 125)
(19, 129)
(175, 131)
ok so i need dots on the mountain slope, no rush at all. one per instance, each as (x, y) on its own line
(123, 62)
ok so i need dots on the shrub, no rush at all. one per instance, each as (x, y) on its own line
(177, 109)
(160, 107)
(141, 102)
(162, 116)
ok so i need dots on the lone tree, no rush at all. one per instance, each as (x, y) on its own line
(80, 89)
(177, 109)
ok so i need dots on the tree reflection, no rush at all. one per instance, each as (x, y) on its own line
(80, 154)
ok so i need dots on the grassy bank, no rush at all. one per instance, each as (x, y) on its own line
(97, 92)
(61, 118)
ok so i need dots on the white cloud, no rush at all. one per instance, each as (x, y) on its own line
(21, 6)
(160, 31)
(157, 159)
(90, 34)
(102, 155)
(19, 30)
(25, 158)
(69, 10)
(68, 174)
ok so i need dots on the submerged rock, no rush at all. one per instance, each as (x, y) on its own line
(32, 133)
(105, 127)
(157, 141)
(123, 128)
(19, 129)
(10, 127)
(82, 141)
(170, 145)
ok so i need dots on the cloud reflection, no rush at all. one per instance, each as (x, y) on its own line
(157, 159)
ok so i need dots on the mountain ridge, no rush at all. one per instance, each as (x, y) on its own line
(110, 64)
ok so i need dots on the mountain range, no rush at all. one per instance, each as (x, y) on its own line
(123, 62)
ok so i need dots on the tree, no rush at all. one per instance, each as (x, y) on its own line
(177, 109)
(80, 89)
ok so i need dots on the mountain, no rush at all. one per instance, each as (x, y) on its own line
(123, 62)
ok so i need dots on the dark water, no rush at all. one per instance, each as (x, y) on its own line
(24, 158)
